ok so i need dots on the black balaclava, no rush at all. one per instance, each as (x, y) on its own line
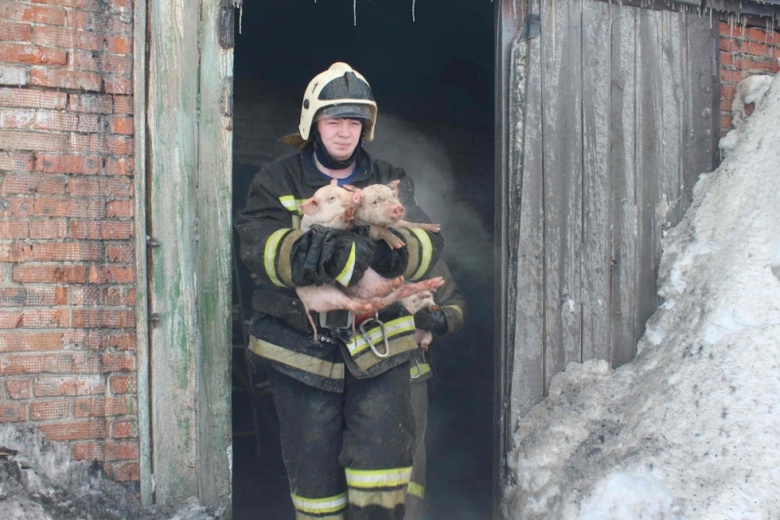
(329, 162)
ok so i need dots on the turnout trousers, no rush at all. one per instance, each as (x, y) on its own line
(416, 490)
(348, 455)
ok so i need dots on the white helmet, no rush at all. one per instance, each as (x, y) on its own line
(340, 91)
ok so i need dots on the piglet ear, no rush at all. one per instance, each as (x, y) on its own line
(310, 206)
(394, 185)
(334, 182)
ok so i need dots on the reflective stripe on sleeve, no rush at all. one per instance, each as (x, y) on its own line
(426, 252)
(346, 274)
(269, 255)
(291, 204)
(416, 490)
(320, 506)
(378, 478)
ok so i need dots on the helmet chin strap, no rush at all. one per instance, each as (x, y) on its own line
(329, 162)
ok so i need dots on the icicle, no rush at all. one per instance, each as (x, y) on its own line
(414, 2)
(354, 13)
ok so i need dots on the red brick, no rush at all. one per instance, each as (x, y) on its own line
(117, 64)
(22, 12)
(32, 296)
(18, 388)
(123, 104)
(69, 386)
(123, 471)
(49, 410)
(13, 230)
(119, 144)
(124, 429)
(70, 79)
(120, 253)
(32, 183)
(28, 341)
(107, 450)
(77, 430)
(54, 228)
(733, 76)
(101, 186)
(16, 161)
(103, 318)
(117, 84)
(67, 251)
(96, 21)
(91, 103)
(120, 208)
(68, 122)
(120, 125)
(34, 319)
(36, 364)
(115, 362)
(15, 32)
(12, 412)
(66, 38)
(32, 54)
(15, 252)
(119, 44)
(102, 406)
(111, 274)
(119, 166)
(16, 118)
(122, 384)
(25, 98)
(66, 163)
(49, 273)
(105, 230)
(82, 208)
(34, 141)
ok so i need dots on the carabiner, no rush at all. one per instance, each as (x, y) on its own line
(367, 336)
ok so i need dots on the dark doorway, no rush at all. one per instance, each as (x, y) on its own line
(430, 65)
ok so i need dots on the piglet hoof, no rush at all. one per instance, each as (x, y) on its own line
(434, 283)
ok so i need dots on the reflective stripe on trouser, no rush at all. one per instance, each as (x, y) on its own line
(369, 428)
(416, 490)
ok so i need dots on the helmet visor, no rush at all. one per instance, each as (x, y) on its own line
(346, 111)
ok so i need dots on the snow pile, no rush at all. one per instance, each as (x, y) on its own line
(39, 481)
(689, 429)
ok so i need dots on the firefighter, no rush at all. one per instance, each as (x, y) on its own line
(347, 428)
(446, 320)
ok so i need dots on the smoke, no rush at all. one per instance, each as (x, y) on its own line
(441, 190)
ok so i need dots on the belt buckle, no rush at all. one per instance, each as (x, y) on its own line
(338, 319)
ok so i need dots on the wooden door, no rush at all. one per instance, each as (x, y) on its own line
(183, 92)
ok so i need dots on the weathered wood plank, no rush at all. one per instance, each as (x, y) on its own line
(141, 294)
(623, 189)
(672, 113)
(649, 161)
(214, 274)
(528, 384)
(596, 219)
(173, 159)
(701, 132)
(562, 145)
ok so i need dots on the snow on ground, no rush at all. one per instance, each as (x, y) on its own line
(39, 481)
(689, 429)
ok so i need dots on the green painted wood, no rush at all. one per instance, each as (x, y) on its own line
(189, 166)
(215, 262)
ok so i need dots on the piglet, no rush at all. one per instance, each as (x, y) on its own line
(414, 303)
(380, 209)
(334, 207)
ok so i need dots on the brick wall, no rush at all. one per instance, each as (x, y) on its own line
(67, 269)
(744, 51)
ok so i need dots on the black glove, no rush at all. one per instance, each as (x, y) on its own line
(321, 255)
(390, 262)
(435, 321)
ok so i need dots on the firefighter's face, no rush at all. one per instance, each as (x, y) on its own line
(340, 136)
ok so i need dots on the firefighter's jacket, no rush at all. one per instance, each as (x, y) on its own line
(453, 304)
(269, 226)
